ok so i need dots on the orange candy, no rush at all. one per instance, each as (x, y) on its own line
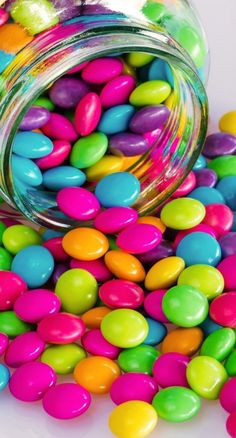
(152, 220)
(130, 161)
(93, 317)
(183, 340)
(96, 374)
(125, 266)
(85, 244)
(13, 38)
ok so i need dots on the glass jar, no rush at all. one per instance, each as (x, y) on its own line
(61, 34)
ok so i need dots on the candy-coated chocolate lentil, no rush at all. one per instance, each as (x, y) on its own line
(138, 59)
(164, 273)
(139, 359)
(94, 343)
(124, 189)
(203, 228)
(121, 293)
(116, 119)
(11, 325)
(26, 171)
(227, 123)
(219, 217)
(96, 374)
(205, 278)
(93, 317)
(206, 177)
(78, 203)
(224, 166)
(218, 344)
(230, 364)
(207, 195)
(17, 237)
(128, 144)
(199, 248)
(117, 91)
(102, 70)
(60, 152)
(61, 177)
(26, 347)
(85, 244)
(4, 342)
(124, 328)
(107, 165)
(114, 219)
(218, 144)
(11, 287)
(32, 144)
(156, 332)
(4, 376)
(125, 266)
(95, 267)
(5, 260)
(231, 425)
(223, 309)
(206, 376)
(63, 358)
(183, 340)
(87, 114)
(150, 93)
(61, 328)
(149, 118)
(133, 386)
(227, 187)
(228, 395)
(163, 250)
(152, 220)
(4, 16)
(138, 238)
(54, 245)
(40, 16)
(225, 267)
(67, 92)
(209, 326)
(153, 305)
(170, 370)
(186, 187)
(133, 418)
(183, 213)
(176, 404)
(13, 38)
(88, 150)
(60, 128)
(36, 305)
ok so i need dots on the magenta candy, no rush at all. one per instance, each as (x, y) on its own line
(228, 395)
(226, 267)
(139, 238)
(149, 119)
(153, 305)
(223, 309)
(67, 400)
(24, 348)
(61, 328)
(231, 425)
(35, 118)
(54, 245)
(60, 128)
(36, 304)
(87, 114)
(170, 370)
(11, 286)
(3, 16)
(117, 91)
(95, 344)
(219, 217)
(133, 386)
(77, 68)
(115, 219)
(61, 151)
(78, 203)
(186, 187)
(67, 92)
(31, 381)
(96, 267)
(4, 341)
(102, 70)
(201, 227)
(152, 136)
(121, 294)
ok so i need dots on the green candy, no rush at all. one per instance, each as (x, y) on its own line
(138, 359)
(45, 103)
(150, 93)
(2, 229)
(155, 11)
(5, 260)
(185, 306)
(224, 166)
(11, 325)
(18, 237)
(35, 16)
(230, 364)
(219, 344)
(77, 290)
(137, 59)
(63, 358)
(192, 42)
(88, 150)
(206, 376)
(176, 404)
(112, 243)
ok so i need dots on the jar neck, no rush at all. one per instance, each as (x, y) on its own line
(81, 39)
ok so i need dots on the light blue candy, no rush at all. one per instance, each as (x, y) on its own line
(26, 171)
(4, 376)
(5, 60)
(160, 70)
(32, 145)
(116, 119)
(199, 248)
(120, 189)
(156, 332)
(63, 176)
(207, 195)
(201, 163)
(50, 234)
(227, 187)
(34, 264)
(209, 326)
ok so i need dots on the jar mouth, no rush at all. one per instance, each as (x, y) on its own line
(44, 61)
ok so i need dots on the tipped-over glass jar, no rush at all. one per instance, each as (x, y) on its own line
(148, 104)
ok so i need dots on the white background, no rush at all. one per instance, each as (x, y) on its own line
(19, 420)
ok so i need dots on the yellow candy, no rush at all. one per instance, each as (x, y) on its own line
(133, 419)
(107, 165)
(227, 123)
(138, 59)
(183, 213)
(85, 244)
(125, 266)
(170, 100)
(152, 220)
(164, 273)
(128, 69)
(205, 278)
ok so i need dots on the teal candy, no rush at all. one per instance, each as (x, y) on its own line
(50, 234)
(209, 326)
(207, 195)
(156, 332)
(160, 69)
(200, 163)
(5, 60)
(116, 119)
(32, 145)
(227, 187)
(120, 189)
(34, 264)
(199, 248)
(4, 376)
(63, 176)
(26, 171)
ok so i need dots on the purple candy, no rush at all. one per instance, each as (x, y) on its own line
(149, 119)
(219, 144)
(128, 144)
(58, 271)
(67, 92)
(67, 9)
(162, 250)
(228, 244)
(35, 118)
(206, 177)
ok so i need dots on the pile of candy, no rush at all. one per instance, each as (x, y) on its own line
(98, 301)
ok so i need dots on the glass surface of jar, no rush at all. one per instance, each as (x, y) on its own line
(59, 35)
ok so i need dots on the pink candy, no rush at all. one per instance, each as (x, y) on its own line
(170, 370)
(186, 187)
(229, 273)
(24, 348)
(102, 70)
(201, 227)
(11, 286)
(139, 238)
(35, 305)
(77, 68)
(117, 91)
(121, 294)
(4, 341)
(228, 395)
(78, 203)
(95, 344)
(153, 305)
(87, 114)
(60, 152)
(115, 219)
(219, 217)
(60, 128)
(3, 16)
(61, 328)
(96, 267)
(133, 386)
(223, 309)
(231, 425)
(54, 245)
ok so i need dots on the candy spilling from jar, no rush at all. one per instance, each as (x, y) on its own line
(142, 308)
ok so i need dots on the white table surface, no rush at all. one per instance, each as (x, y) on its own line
(20, 420)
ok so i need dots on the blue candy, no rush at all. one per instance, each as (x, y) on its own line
(234, 222)
(4, 376)
(5, 60)
(160, 70)
(120, 189)
(199, 248)
(200, 163)
(116, 119)
(26, 171)
(207, 195)
(50, 234)
(32, 145)
(63, 176)
(156, 332)
(209, 326)
(227, 187)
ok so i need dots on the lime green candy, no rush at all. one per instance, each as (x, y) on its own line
(77, 290)
(18, 237)
(45, 103)
(138, 359)
(230, 364)
(185, 306)
(206, 278)
(5, 260)
(206, 376)
(2, 229)
(192, 42)
(176, 404)
(63, 358)
(137, 59)
(124, 328)
(155, 11)
(183, 213)
(88, 150)
(224, 166)
(219, 344)
(11, 325)
(35, 16)
(150, 93)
